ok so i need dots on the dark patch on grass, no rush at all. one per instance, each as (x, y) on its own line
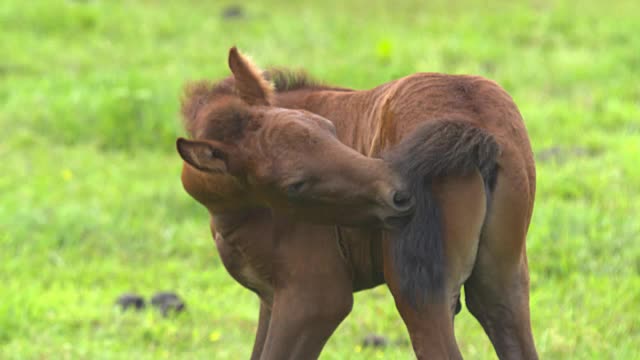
(168, 302)
(130, 301)
(233, 12)
(375, 341)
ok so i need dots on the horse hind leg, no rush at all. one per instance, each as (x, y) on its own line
(430, 325)
(430, 328)
(497, 292)
(462, 204)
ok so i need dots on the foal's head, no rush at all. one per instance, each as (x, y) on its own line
(290, 160)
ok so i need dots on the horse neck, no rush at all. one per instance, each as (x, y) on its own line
(357, 115)
(227, 222)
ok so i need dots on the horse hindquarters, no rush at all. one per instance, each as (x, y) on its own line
(427, 261)
(497, 293)
(462, 207)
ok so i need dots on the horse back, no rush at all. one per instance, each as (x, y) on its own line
(426, 97)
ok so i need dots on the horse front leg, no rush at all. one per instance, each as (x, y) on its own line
(302, 321)
(261, 333)
(313, 293)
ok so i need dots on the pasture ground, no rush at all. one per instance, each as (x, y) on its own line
(92, 206)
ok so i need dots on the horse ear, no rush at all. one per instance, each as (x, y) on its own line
(251, 85)
(208, 156)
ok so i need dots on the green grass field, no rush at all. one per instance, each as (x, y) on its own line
(92, 206)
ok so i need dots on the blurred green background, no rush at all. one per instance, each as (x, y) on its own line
(92, 206)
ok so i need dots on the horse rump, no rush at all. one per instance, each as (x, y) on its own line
(437, 148)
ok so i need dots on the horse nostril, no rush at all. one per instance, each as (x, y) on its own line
(401, 199)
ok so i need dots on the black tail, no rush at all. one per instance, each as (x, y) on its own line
(437, 148)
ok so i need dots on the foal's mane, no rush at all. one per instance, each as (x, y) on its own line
(290, 80)
(200, 93)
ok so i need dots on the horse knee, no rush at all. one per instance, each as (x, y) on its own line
(319, 308)
(332, 310)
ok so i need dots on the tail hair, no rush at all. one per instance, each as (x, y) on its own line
(437, 148)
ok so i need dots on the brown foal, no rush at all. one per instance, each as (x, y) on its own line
(273, 153)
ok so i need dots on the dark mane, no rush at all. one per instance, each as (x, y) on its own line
(197, 95)
(289, 80)
(200, 93)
